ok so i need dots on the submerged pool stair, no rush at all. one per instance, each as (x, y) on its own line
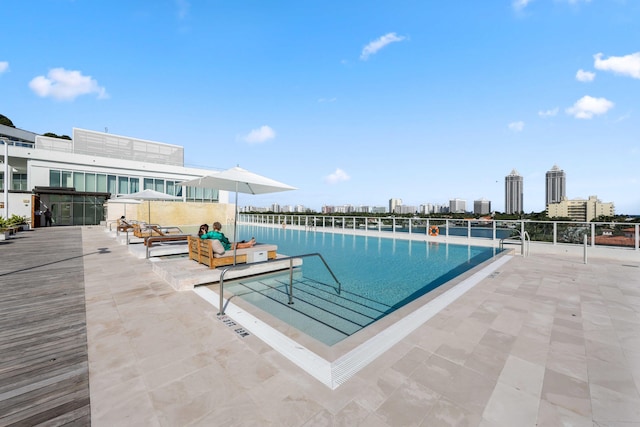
(317, 310)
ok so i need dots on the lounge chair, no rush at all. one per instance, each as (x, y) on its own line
(211, 253)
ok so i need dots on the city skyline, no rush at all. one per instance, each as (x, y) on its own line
(350, 102)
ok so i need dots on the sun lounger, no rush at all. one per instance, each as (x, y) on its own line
(202, 251)
(144, 231)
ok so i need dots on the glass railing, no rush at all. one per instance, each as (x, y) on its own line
(614, 234)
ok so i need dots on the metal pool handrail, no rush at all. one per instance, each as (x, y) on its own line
(290, 258)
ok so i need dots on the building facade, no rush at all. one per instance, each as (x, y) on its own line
(580, 209)
(481, 207)
(556, 186)
(457, 206)
(76, 178)
(513, 193)
(393, 204)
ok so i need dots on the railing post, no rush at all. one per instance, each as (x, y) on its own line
(585, 248)
(291, 281)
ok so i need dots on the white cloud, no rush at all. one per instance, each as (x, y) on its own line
(628, 65)
(585, 76)
(338, 176)
(323, 100)
(66, 85)
(516, 126)
(4, 66)
(548, 113)
(587, 107)
(378, 44)
(578, 1)
(260, 135)
(520, 4)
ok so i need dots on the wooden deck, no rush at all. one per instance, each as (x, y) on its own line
(44, 372)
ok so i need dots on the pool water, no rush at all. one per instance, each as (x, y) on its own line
(377, 276)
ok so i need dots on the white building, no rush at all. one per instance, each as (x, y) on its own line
(481, 207)
(513, 193)
(457, 206)
(75, 178)
(556, 185)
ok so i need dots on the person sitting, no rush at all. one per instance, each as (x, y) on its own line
(218, 235)
(123, 224)
(204, 229)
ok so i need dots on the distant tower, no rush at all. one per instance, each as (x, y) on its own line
(556, 185)
(481, 206)
(457, 206)
(513, 193)
(393, 204)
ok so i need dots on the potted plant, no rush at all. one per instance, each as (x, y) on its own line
(18, 221)
(4, 231)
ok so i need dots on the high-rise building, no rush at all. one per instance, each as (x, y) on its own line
(457, 206)
(556, 185)
(513, 193)
(393, 203)
(481, 207)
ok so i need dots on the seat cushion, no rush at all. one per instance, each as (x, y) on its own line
(217, 247)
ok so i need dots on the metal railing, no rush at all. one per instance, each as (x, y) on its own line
(522, 239)
(290, 259)
(613, 234)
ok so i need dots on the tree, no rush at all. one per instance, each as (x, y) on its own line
(4, 120)
(53, 135)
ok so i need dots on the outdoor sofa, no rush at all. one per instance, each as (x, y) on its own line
(211, 253)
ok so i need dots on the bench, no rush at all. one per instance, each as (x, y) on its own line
(201, 250)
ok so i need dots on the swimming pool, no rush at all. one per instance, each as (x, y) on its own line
(378, 275)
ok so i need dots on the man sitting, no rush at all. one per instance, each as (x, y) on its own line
(219, 235)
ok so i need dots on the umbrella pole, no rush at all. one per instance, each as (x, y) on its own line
(235, 227)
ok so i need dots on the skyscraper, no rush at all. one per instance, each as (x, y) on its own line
(556, 185)
(393, 204)
(513, 193)
(481, 206)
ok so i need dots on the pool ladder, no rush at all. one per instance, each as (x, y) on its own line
(290, 258)
(525, 242)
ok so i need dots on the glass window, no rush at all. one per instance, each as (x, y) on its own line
(159, 185)
(171, 188)
(78, 181)
(2, 181)
(148, 183)
(19, 181)
(123, 185)
(101, 183)
(112, 185)
(90, 182)
(66, 180)
(134, 184)
(54, 178)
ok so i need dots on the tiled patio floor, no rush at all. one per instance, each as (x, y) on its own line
(547, 340)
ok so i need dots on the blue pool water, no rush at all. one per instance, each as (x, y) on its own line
(378, 275)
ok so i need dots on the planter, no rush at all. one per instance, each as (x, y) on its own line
(4, 234)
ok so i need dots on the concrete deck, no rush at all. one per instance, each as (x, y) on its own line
(543, 340)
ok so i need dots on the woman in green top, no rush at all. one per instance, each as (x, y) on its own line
(219, 235)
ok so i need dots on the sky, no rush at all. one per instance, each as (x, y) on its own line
(352, 102)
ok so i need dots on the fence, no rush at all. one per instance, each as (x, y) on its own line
(613, 234)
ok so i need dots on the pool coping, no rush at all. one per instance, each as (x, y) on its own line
(336, 372)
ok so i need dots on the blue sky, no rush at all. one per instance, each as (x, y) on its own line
(353, 102)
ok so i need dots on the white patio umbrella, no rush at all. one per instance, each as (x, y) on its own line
(241, 181)
(149, 195)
